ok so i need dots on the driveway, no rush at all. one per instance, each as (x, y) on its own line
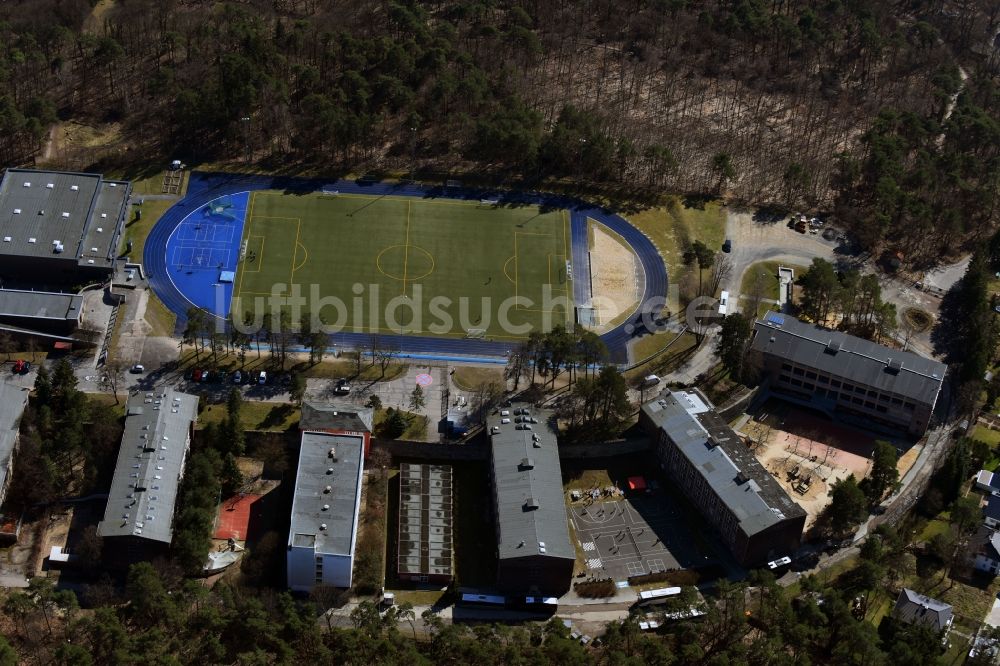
(755, 241)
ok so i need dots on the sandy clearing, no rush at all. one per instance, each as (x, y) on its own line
(614, 269)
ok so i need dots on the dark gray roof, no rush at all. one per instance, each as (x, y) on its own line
(13, 400)
(527, 474)
(335, 416)
(986, 542)
(425, 519)
(40, 304)
(150, 465)
(915, 608)
(79, 210)
(889, 370)
(327, 493)
(992, 508)
(720, 456)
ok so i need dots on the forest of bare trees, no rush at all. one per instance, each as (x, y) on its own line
(835, 104)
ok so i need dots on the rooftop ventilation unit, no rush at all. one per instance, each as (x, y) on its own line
(893, 366)
(329, 470)
(17, 211)
(322, 526)
(527, 463)
(541, 546)
(832, 347)
(530, 504)
(75, 188)
(326, 507)
(328, 490)
(741, 478)
(332, 454)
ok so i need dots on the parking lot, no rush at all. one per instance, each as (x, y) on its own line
(635, 536)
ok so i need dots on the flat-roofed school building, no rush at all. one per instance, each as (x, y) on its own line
(847, 377)
(424, 552)
(138, 519)
(59, 227)
(324, 522)
(715, 470)
(534, 552)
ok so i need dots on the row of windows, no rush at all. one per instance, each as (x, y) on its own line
(843, 388)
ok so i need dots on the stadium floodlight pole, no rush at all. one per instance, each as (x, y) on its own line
(246, 138)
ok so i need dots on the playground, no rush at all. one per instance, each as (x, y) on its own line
(807, 453)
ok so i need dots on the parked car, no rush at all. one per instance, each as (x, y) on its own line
(196, 375)
(137, 369)
(237, 377)
(19, 366)
(727, 246)
(263, 377)
(342, 388)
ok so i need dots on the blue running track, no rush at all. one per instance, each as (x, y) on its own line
(185, 272)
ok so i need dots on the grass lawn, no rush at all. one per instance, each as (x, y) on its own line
(333, 368)
(405, 252)
(137, 230)
(673, 228)
(471, 377)
(272, 416)
(769, 281)
(984, 434)
(160, 319)
(933, 528)
(666, 362)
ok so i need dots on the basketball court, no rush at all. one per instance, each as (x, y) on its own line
(641, 535)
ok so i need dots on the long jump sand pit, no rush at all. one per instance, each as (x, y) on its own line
(807, 454)
(614, 269)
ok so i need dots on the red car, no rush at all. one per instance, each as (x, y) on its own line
(196, 376)
(21, 366)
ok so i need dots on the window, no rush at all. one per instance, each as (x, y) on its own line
(882, 408)
(796, 382)
(882, 397)
(823, 379)
(811, 375)
(786, 366)
(869, 404)
(821, 392)
(857, 401)
(835, 383)
(809, 386)
(798, 371)
(832, 395)
(909, 406)
(897, 401)
(784, 378)
(872, 393)
(848, 387)
(859, 389)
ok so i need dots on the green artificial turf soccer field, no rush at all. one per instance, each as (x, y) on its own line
(424, 256)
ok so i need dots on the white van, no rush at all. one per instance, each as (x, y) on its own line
(651, 380)
(263, 377)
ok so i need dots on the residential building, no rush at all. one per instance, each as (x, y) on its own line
(991, 512)
(13, 401)
(846, 377)
(138, 519)
(59, 227)
(712, 466)
(324, 522)
(988, 482)
(339, 419)
(424, 552)
(915, 608)
(984, 548)
(534, 551)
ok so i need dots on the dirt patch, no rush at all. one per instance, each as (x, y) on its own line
(807, 455)
(614, 270)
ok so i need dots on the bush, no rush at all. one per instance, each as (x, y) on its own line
(595, 589)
